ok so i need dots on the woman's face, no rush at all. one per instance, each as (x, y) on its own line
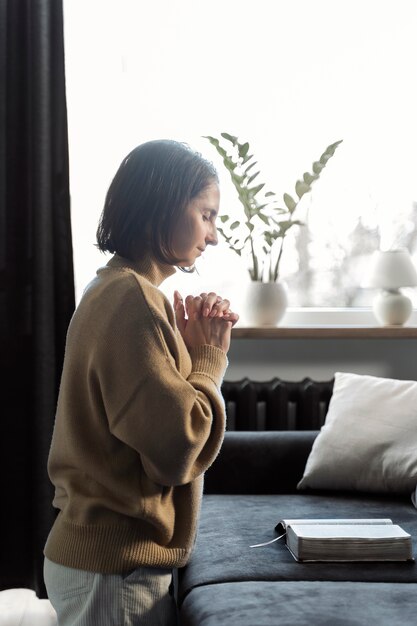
(196, 229)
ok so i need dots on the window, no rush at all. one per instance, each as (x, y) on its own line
(290, 77)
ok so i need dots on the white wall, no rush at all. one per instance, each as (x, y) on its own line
(294, 359)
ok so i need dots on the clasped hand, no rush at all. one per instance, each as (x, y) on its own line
(204, 319)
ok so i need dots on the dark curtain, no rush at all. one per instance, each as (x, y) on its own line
(36, 274)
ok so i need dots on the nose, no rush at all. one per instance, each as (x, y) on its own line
(211, 238)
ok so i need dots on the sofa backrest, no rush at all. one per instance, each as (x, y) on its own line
(260, 462)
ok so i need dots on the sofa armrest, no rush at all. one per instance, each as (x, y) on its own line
(260, 462)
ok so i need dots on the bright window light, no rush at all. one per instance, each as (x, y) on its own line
(288, 76)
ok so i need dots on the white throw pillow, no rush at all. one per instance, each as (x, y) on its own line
(369, 439)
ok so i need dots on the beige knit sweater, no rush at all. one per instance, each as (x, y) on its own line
(139, 420)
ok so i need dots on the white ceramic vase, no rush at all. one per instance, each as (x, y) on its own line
(265, 303)
(391, 307)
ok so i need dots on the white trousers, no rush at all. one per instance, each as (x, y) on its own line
(138, 598)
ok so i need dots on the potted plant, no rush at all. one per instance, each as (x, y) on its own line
(259, 233)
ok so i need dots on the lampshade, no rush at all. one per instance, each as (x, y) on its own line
(391, 269)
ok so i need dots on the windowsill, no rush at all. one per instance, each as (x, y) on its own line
(326, 332)
(312, 323)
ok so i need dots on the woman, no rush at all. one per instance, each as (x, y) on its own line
(140, 415)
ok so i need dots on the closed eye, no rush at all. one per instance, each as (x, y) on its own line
(209, 216)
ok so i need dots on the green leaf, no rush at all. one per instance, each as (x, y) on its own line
(212, 140)
(269, 194)
(247, 158)
(280, 210)
(263, 218)
(229, 165)
(223, 153)
(301, 188)
(329, 152)
(252, 177)
(250, 166)
(237, 179)
(309, 178)
(317, 167)
(243, 149)
(284, 226)
(224, 218)
(256, 189)
(290, 202)
(324, 158)
(230, 138)
(234, 225)
(332, 148)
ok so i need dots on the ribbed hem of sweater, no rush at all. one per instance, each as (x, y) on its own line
(108, 549)
(209, 361)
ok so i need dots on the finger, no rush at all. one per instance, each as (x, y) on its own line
(179, 311)
(178, 301)
(205, 309)
(220, 308)
(209, 301)
(188, 305)
(198, 303)
(193, 304)
(225, 325)
(230, 316)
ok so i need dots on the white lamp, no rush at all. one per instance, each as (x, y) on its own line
(390, 271)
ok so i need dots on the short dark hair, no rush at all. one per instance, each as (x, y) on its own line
(151, 189)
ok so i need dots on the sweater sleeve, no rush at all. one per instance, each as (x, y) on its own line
(175, 423)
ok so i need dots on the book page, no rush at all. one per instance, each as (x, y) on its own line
(282, 525)
(349, 542)
(359, 531)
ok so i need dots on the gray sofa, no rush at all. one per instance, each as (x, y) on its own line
(249, 488)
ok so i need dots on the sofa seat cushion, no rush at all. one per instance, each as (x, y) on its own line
(229, 524)
(301, 603)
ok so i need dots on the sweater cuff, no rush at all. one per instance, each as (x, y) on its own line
(210, 361)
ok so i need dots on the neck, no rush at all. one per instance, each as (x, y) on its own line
(155, 271)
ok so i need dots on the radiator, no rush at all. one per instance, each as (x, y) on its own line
(276, 404)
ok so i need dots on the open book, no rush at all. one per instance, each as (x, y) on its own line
(346, 540)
